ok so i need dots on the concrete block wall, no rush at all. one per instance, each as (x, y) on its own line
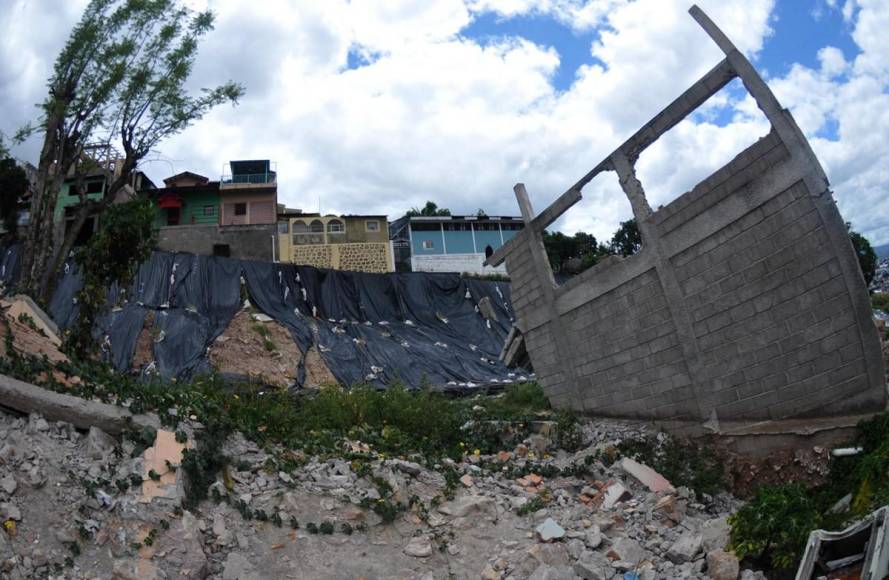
(454, 263)
(740, 304)
(247, 242)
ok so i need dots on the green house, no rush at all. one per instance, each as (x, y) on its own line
(187, 199)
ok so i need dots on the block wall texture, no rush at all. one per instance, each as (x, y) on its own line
(249, 242)
(743, 305)
(368, 257)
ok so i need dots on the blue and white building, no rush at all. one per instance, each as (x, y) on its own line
(450, 243)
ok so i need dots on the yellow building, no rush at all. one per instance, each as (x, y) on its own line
(358, 243)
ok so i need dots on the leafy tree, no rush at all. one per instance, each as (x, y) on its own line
(481, 213)
(867, 258)
(562, 250)
(124, 240)
(13, 185)
(119, 79)
(626, 240)
(431, 209)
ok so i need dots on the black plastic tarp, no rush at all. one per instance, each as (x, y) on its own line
(419, 328)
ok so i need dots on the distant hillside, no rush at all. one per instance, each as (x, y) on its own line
(882, 251)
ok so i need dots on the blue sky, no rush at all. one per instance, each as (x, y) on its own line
(800, 29)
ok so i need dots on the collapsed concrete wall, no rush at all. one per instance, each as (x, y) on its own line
(745, 302)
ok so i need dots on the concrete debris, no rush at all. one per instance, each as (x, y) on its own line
(646, 475)
(22, 309)
(549, 531)
(614, 493)
(722, 565)
(685, 548)
(419, 547)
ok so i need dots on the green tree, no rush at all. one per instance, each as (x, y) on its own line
(560, 249)
(431, 209)
(125, 239)
(13, 185)
(626, 240)
(120, 79)
(867, 258)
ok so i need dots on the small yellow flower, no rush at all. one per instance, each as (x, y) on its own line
(477, 452)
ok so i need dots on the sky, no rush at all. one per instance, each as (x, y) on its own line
(371, 107)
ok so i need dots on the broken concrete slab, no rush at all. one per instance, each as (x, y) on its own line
(549, 531)
(614, 493)
(685, 548)
(646, 476)
(22, 308)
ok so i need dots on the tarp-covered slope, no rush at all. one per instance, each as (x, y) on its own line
(375, 328)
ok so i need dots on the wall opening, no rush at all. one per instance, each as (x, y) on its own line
(711, 136)
(599, 225)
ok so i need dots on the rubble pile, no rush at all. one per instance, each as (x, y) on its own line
(86, 505)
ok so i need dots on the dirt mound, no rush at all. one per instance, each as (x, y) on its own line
(317, 373)
(256, 349)
(144, 354)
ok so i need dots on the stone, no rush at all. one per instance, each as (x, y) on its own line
(591, 566)
(715, 534)
(646, 476)
(8, 484)
(549, 531)
(626, 550)
(466, 480)
(238, 567)
(614, 493)
(555, 554)
(722, 565)
(468, 504)
(489, 573)
(98, 443)
(685, 548)
(545, 572)
(593, 536)
(9, 511)
(419, 547)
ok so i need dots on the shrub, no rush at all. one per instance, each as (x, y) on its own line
(773, 528)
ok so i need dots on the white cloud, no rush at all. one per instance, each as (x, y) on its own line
(435, 115)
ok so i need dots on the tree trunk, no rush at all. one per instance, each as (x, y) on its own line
(51, 273)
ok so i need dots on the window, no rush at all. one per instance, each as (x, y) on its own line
(428, 245)
(283, 227)
(372, 226)
(300, 227)
(95, 187)
(336, 227)
(241, 208)
(316, 227)
(173, 216)
(210, 210)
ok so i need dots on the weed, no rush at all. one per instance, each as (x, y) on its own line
(326, 527)
(682, 463)
(534, 504)
(346, 528)
(312, 528)
(773, 527)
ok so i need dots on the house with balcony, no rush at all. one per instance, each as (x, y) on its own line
(359, 243)
(450, 243)
(234, 216)
(186, 199)
(248, 193)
